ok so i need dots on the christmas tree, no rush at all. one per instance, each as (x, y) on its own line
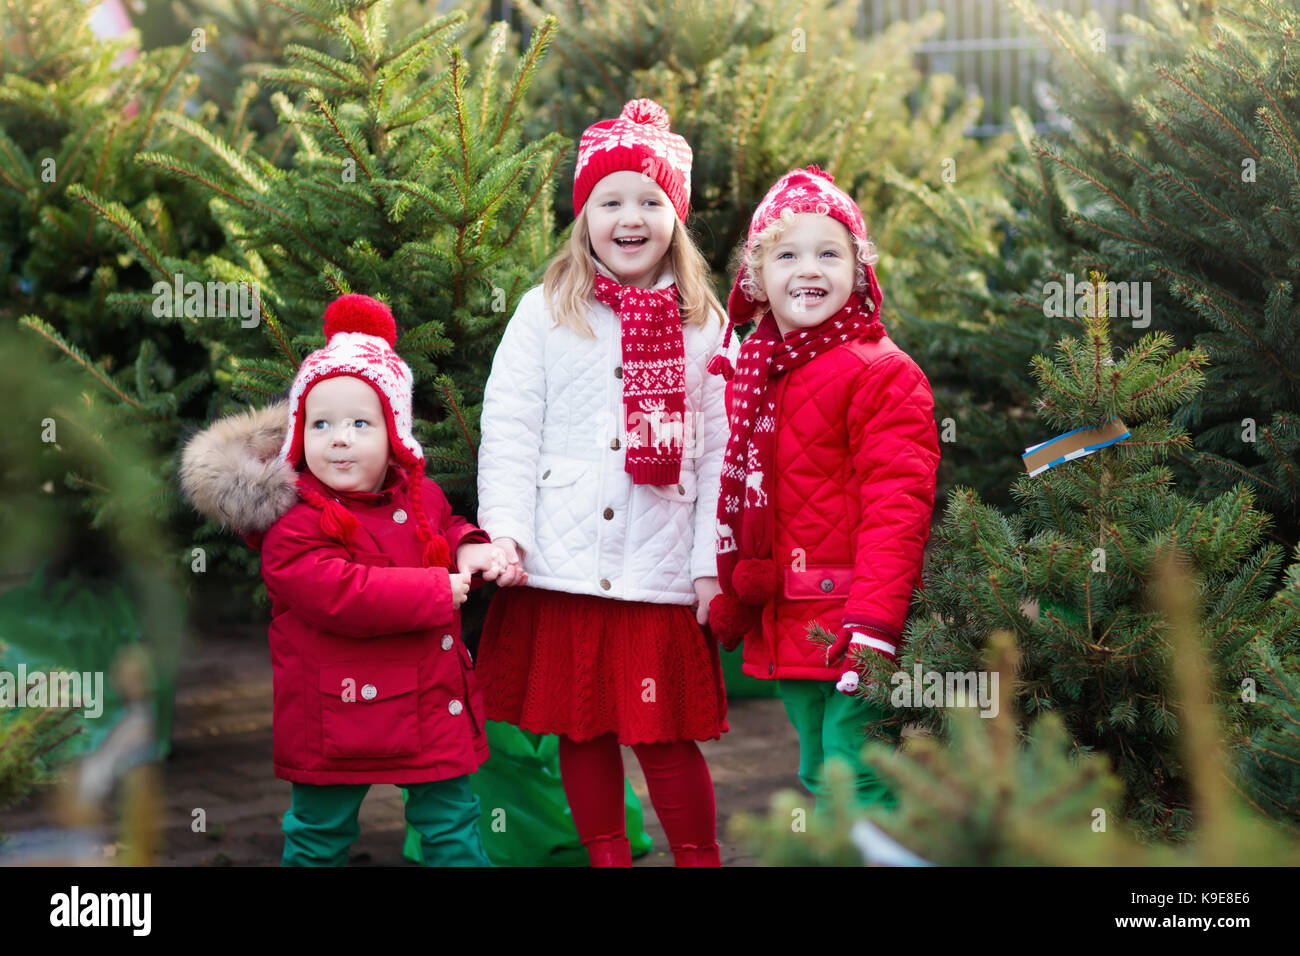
(978, 264)
(74, 111)
(399, 169)
(1175, 176)
(994, 793)
(760, 87)
(1067, 574)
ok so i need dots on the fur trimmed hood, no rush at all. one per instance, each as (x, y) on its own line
(232, 471)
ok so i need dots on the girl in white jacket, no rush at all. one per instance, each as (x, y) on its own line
(599, 468)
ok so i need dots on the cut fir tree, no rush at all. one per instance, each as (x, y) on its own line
(1067, 572)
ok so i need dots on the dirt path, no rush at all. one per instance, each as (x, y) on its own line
(221, 763)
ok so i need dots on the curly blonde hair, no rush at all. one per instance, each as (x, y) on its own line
(748, 261)
(570, 279)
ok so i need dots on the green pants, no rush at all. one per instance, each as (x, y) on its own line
(322, 823)
(833, 725)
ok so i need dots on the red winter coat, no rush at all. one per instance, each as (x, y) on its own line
(857, 459)
(368, 622)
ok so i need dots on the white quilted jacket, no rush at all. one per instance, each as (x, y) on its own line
(549, 477)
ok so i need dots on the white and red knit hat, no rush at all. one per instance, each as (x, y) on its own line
(360, 334)
(798, 191)
(639, 140)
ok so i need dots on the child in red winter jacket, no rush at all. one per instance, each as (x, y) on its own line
(829, 478)
(366, 568)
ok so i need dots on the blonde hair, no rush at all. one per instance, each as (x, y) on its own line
(570, 279)
(749, 260)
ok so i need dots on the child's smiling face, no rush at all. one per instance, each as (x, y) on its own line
(631, 222)
(345, 437)
(808, 274)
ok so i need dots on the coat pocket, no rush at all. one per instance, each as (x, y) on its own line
(685, 489)
(558, 471)
(823, 582)
(370, 709)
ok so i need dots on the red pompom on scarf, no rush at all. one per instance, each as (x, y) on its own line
(755, 580)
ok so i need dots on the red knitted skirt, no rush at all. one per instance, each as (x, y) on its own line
(579, 665)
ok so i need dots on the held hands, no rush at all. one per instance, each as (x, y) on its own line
(499, 561)
(706, 589)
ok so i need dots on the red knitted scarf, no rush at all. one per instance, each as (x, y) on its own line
(654, 379)
(744, 516)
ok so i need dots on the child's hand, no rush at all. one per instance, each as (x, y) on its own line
(514, 572)
(706, 589)
(479, 556)
(459, 588)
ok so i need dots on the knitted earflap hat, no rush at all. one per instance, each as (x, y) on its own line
(798, 191)
(360, 334)
(639, 140)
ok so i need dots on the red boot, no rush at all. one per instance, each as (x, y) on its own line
(687, 855)
(610, 852)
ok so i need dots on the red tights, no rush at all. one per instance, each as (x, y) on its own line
(680, 789)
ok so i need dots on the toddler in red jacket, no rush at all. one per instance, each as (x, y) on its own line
(366, 568)
(829, 478)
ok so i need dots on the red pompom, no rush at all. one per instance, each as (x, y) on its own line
(755, 580)
(646, 113)
(360, 313)
(730, 621)
(874, 332)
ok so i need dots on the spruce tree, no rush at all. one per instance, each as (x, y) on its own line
(73, 114)
(1177, 170)
(399, 169)
(1067, 572)
(758, 88)
(995, 793)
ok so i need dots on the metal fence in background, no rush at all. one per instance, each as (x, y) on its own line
(992, 51)
(984, 43)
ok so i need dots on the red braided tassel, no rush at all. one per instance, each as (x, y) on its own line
(436, 552)
(337, 522)
(721, 365)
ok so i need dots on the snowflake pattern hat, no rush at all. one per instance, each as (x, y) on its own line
(360, 334)
(798, 191)
(639, 140)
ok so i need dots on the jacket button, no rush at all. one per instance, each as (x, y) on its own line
(369, 692)
(454, 708)
(615, 444)
(681, 489)
(399, 516)
(618, 371)
(447, 642)
(604, 583)
(546, 473)
(609, 513)
(828, 584)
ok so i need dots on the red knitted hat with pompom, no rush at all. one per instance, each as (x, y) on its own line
(360, 334)
(639, 140)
